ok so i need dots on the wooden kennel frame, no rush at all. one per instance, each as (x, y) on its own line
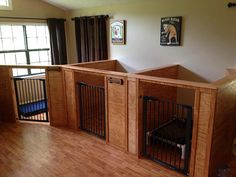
(213, 107)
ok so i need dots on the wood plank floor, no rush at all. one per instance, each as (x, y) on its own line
(37, 150)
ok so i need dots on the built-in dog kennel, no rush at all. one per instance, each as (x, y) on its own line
(180, 120)
(94, 91)
(167, 120)
(167, 128)
(98, 85)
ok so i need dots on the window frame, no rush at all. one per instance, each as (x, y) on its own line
(26, 50)
(5, 7)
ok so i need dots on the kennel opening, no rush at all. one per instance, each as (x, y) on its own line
(167, 128)
(92, 109)
(31, 98)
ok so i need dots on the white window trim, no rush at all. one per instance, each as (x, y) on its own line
(9, 7)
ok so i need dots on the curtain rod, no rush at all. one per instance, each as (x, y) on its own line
(26, 18)
(90, 16)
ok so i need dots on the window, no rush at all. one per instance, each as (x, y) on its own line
(24, 44)
(6, 4)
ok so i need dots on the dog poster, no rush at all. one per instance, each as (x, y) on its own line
(118, 32)
(170, 31)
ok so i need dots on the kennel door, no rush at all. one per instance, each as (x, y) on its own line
(117, 111)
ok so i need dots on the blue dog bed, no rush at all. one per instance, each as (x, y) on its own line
(33, 108)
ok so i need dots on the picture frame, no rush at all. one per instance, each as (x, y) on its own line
(170, 33)
(118, 32)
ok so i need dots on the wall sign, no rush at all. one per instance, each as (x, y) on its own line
(170, 31)
(118, 32)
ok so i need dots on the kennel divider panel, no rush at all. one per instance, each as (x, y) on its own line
(104, 65)
(8, 108)
(71, 98)
(117, 111)
(56, 96)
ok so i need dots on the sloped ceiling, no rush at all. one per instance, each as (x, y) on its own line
(80, 4)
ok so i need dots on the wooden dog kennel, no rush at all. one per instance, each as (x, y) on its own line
(213, 113)
(109, 75)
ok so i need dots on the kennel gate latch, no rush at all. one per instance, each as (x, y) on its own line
(115, 81)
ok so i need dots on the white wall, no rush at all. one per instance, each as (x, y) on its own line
(208, 38)
(32, 8)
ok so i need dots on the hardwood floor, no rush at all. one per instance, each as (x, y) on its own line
(38, 150)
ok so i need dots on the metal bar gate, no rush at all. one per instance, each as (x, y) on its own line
(31, 99)
(92, 109)
(167, 133)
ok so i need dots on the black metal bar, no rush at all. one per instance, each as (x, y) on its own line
(35, 83)
(26, 95)
(32, 95)
(87, 109)
(154, 121)
(29, 94)
(80, 106)
(90, 107)
(93, 91)
(38, 88)
(150, 127)
(100, 113)
(98, 116)
(45, 98)
(103, 110)
(145, 124)
(107, 16)
(100, 124)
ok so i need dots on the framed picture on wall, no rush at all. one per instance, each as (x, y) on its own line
(170, 31)
(118, 32)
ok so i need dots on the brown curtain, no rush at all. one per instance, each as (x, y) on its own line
(57, 40)
(91, 38)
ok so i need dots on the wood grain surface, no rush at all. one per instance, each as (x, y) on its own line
(38, 150)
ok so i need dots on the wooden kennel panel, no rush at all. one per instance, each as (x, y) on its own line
(56, 96)
(8, 110)
(70, 93)
(224, 123)
(108, 65)
(166, 72)
(117, 111)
